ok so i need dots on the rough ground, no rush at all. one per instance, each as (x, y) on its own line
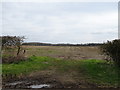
(52, 77)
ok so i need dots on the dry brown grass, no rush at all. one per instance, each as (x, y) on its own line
(65, 52)
(10, 55)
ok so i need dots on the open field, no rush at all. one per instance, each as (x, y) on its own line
(65, 52)
(61, 67)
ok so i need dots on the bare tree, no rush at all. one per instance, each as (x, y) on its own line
(15, 41)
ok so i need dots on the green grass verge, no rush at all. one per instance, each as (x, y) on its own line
(25, 67)
(97, 71)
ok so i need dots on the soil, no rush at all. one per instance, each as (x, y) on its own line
(52, 78)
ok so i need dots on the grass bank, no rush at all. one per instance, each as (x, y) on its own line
(96, 71)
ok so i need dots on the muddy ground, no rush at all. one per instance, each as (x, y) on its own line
(51, 79)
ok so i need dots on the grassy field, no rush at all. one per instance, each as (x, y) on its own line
(65, 52)
(67, 65)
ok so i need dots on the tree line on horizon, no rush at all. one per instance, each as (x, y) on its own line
(63, 44)
(17, 41)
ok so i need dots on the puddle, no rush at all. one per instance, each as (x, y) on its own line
(27, 85)
(40, 86)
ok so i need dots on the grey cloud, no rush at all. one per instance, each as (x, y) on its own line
(60, 22)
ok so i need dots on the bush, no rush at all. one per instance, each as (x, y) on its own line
(112, 49)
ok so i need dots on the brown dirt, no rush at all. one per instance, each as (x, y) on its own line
(53, 78)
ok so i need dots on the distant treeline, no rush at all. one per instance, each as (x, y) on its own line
(49, 44)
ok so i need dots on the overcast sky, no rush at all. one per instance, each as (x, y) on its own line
(61, 22)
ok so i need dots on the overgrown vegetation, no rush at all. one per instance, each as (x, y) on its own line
(112, 49)
(97, 71)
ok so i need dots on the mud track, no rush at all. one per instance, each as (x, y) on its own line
(50, 78)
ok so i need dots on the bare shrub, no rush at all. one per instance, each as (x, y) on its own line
(12, 50)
